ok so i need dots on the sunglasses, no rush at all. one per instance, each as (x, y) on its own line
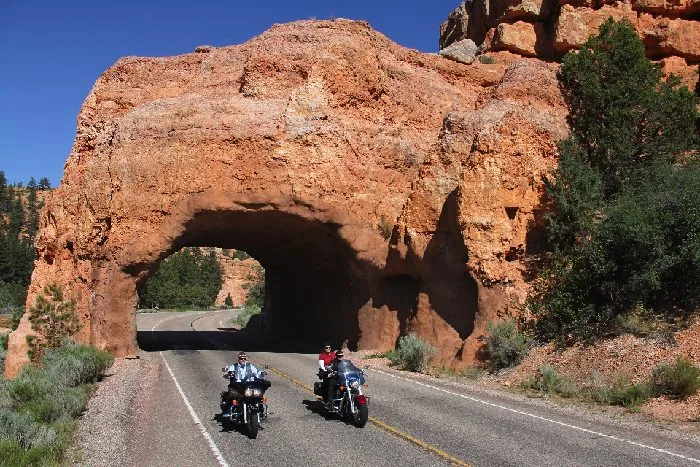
(327, 347)
(243, 358)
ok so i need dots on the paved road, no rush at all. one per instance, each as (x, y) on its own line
(413, 421)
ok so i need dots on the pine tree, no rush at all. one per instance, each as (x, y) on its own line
(623, 232)
(53, 319)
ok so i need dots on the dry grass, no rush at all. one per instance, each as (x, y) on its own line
(6, 320)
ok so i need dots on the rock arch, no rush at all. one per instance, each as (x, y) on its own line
(319, 265)
(296, 146)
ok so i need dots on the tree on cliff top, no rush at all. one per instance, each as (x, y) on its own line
(625, 229)
(621, 112)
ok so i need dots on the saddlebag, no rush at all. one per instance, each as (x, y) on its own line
(318, 388)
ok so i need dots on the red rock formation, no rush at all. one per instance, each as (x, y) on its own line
(235, 274)
(293, 147)
(545, 29)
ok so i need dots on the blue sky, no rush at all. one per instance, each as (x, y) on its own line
(53, 51)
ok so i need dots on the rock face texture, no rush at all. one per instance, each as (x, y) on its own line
(296, 147)
(549, 28)
(235, 276)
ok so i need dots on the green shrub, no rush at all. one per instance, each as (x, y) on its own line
(240, 254)
(550, 381)
(506, 345)
(390, 354)
(623, 392)
(228, 301)
(413, 353)
(385, 227)
(25, 430)
(62, 403)
(3, 349)
(25, 443)
(473, 372)
(74, 364)
(679, 380)
(487, 59)
(13, 454)
(622, 231)
(31, 384)
(37, 407)
(255, 284)
(246, 314)
(53, 319)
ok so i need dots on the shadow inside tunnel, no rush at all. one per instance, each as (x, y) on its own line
(156, 341)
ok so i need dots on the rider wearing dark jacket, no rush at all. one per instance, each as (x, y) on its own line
(332, 383)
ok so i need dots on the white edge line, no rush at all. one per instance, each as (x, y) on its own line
(205, 433)
(574, 427)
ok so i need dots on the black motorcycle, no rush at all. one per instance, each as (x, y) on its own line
(249, 407)
(348, 401)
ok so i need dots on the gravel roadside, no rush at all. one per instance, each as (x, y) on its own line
(102, 436)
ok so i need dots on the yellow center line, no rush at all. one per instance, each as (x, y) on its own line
(382, 426)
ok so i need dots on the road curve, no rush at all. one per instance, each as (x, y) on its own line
(414, 421)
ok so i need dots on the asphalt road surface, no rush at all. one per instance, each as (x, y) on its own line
(413, 421)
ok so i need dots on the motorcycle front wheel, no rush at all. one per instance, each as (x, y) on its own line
(253, 425)
(360, 416)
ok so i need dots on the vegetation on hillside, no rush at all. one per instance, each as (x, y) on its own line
(624, 230)
(53, 319)
(38, 408)
(255, 283)
(679, 381)
(186, 279)
(19, 222)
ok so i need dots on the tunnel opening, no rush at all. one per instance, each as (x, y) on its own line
(314, 281)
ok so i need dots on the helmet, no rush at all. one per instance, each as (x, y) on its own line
(339, 353)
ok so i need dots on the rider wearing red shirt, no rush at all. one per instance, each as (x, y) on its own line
(326, 357)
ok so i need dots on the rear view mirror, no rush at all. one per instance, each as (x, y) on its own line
(224, 369)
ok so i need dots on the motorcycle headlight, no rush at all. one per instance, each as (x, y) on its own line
(257, 393)
(355, 384)
(248, 392)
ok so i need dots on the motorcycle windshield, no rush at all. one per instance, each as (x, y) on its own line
(260, 384)
(347, 373)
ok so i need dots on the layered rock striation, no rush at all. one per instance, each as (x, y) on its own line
(383, 190)
(550, 28)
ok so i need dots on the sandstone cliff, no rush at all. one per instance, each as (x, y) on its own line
(547, 29)
(293, 147)
(235, 274)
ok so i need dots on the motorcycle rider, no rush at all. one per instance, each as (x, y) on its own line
(325, 358)
(339, 354)
(240, 372)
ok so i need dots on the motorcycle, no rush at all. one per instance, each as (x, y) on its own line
(248, 409)
(349, 402)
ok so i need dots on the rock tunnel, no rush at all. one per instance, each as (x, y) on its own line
(383, 190)
(315, 281)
